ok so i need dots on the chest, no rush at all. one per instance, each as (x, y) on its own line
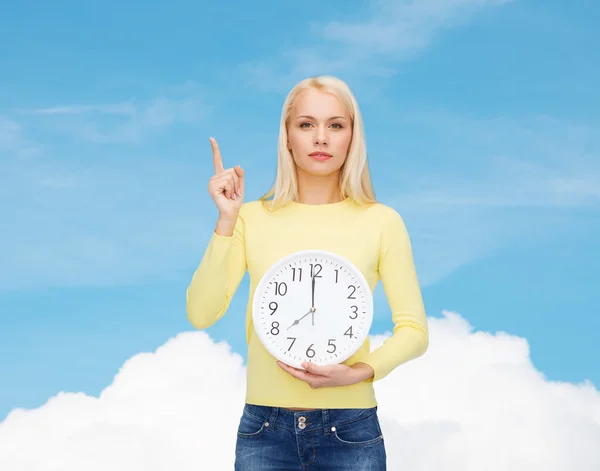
(271, 239)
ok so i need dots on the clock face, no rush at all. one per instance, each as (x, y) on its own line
(326, 327)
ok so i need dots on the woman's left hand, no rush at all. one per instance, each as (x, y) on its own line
(329, 375)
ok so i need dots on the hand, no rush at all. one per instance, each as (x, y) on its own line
(226, 186)
(330, 375)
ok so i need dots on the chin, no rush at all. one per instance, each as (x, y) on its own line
(315, 167)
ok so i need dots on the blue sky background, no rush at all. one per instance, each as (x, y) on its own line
(483, 132)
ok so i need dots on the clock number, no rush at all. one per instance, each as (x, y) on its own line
(293, 339)
(280, 288)
(273, 307)
(310, 352)
(349, 332)
(275, 328)
(351, 295)
(294, 274)
(330, 344)
(337, 273)
(355, 312)
(315, 270)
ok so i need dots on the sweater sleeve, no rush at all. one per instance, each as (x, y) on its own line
(410, 337)
(216, 279)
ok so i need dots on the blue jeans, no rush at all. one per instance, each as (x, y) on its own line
(278, 439)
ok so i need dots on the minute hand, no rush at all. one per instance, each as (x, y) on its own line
(313, 292)
(313, 300)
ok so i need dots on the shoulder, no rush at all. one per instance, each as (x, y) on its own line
(252, 209)
(389, 223)
(385, 214)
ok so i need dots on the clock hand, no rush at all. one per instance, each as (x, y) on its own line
(313, 292)
(310, 311)
(297, 321)
(313, 299)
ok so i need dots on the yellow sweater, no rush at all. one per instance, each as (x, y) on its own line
(372, 237)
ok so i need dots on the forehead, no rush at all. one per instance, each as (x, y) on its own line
(319, 104)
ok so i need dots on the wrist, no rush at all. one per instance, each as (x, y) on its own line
(225, 226)
(362, 371)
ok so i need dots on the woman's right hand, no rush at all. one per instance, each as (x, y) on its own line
(226, 187)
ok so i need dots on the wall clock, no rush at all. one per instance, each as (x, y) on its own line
(312, 305)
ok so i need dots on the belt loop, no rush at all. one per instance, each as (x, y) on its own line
(326, 420)
(273, 417)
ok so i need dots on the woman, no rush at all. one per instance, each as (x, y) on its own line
(320, 417)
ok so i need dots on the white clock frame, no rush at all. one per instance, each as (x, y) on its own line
(328, 303)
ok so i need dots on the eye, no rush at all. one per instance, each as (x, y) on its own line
(306, 124)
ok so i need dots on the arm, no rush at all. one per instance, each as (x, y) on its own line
(219, 274)
(410, 337)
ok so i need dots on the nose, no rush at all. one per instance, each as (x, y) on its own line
(320, 137)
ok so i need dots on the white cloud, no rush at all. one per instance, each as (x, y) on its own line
(157, 115)
(118, 108)
(474, 401)
(10, 133)
(13, 141)
(535, 162)
(403, 26)
(391, 30)
(493, 181)
(101, 226)
(109, 216)
(128, 121)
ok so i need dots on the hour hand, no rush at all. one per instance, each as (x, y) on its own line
(297, 321)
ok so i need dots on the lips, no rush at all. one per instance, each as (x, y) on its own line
(320, 155)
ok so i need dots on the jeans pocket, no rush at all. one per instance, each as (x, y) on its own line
(250, 426)
(362, 432)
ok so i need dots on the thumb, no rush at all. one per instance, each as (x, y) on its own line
(312, 368)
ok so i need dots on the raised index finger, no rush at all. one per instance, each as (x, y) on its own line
(217, 160)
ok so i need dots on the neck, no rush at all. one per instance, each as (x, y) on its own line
(318, 189)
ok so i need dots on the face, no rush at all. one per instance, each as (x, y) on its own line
(319, 132)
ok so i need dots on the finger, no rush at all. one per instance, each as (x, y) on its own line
(312, 380)
(295, 372)
(225, 184)
(228, 177)
(215, 186)
(236, 181)
(222, 185)
(233, 180)
(316, 369)
(240, 173)
(228, 188)
(217, 160)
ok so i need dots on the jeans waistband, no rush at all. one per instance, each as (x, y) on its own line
(307, 420)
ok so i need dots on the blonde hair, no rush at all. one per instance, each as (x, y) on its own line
(355, 179)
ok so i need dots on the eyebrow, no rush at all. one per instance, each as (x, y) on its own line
(312, 117)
